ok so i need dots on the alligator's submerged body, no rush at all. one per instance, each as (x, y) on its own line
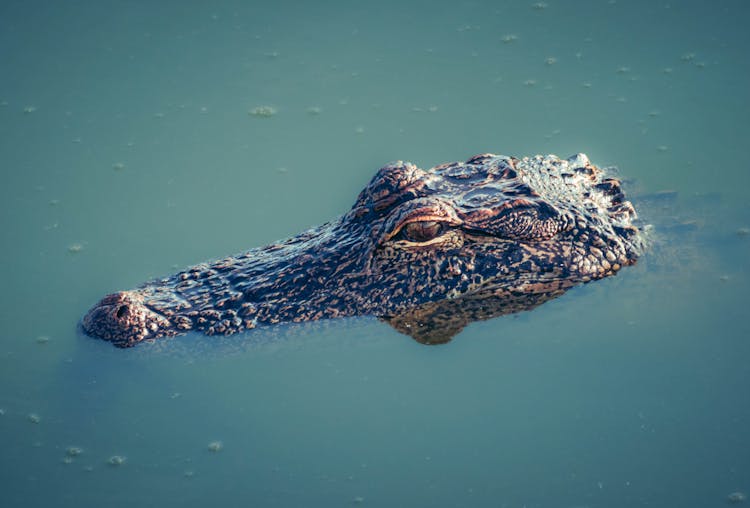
(427, 250)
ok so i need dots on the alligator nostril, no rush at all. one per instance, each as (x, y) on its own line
(121, 311)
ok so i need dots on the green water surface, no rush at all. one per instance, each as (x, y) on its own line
(131, 146)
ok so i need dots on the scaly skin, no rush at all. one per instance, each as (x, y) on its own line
(426, 250)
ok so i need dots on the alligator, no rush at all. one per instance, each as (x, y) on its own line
(427, 251)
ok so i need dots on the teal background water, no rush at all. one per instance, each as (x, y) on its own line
(127, 151)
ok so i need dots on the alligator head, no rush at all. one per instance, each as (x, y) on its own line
(426, 250)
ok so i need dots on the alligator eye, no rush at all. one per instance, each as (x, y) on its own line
(421, 231)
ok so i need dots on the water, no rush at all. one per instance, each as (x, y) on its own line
(127, 151)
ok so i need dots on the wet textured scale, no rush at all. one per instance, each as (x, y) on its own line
(428, 251)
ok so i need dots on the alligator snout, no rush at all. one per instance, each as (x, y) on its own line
(123, 319)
